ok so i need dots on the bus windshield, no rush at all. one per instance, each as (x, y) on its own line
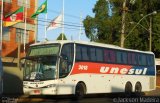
(40, 64)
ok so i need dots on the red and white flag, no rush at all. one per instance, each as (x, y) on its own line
(56, 23)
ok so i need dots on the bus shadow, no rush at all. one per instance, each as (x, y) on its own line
(12, 84)
(71, 98)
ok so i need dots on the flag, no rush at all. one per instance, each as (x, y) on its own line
(13, 18)
(56, 23)
(41, 9)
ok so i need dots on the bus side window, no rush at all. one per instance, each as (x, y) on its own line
(82, 53)
(124, 56)
(93, 54)
(113, 56)
(118, 57)
(135, 59)
(99, 54)
(143, 57)
(139, 58)
(150, 60)
(130, 58)
(85, 55)
(109, 56)
(78, 53)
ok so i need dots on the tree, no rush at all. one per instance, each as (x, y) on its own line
(102, 28)
(60, 37)
(139, 38)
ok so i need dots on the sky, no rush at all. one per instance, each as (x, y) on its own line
(74, 10)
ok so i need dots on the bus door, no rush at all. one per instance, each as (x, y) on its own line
(65, 66)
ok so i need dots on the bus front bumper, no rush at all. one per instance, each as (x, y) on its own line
(40, 91)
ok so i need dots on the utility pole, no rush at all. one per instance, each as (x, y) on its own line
(19, 49)
(150, 33)
(63, 20)
(123, 23)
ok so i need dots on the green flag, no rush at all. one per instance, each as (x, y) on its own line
(41, 9)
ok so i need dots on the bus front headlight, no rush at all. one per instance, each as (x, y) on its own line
(24, 86)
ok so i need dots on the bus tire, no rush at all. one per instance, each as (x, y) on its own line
(80, 90)
(128, 89)
(138, 89)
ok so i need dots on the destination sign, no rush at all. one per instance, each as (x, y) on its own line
(44, 50)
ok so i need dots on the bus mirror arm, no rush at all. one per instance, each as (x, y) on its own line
(60, 56)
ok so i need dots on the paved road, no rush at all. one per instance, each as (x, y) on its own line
(58, 99)
(150, 97)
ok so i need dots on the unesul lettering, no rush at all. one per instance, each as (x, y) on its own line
(116, 70)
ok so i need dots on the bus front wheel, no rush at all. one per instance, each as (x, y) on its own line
(80, 91)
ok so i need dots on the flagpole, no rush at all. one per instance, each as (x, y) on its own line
(1, 28)
(46, 17)
(63, 20)
(1, 40)
(45, 31)
(35, 29)
(36, 23)
(25, 27)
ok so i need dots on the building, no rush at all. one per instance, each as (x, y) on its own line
(157, 62)
(11, 47)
